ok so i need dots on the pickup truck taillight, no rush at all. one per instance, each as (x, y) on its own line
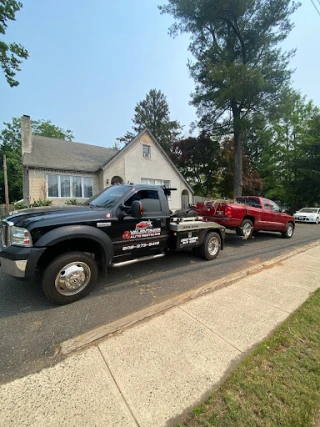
(228, 211)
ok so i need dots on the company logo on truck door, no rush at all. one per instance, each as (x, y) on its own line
(143, 229)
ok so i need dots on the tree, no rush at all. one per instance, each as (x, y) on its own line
(252, 183)
(10, 144)
(11, 54)
(283, 149)
(199, 160)
(238, 65)
(153, 113)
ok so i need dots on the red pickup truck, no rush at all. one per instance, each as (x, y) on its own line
(248, 214)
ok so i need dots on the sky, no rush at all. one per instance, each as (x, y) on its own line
(91, 62)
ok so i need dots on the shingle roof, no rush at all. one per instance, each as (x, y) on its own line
(54, 153)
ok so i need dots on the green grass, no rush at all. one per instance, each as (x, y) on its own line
(277, 385)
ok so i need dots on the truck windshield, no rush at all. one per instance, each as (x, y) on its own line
(108, 198)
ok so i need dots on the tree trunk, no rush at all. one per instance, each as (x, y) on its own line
(237, 189)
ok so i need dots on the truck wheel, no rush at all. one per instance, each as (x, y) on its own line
(192, 213)
(288, 233)
(210, 247)
(69, 277)
(246, 229)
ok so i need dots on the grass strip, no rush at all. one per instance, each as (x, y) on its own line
(277, 385)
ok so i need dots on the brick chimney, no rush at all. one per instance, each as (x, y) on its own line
(26, 135)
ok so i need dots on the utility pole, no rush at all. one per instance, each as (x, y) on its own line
(6, 190)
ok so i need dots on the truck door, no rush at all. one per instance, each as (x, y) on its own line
(278, 218)
(267, 215)
(148, 235)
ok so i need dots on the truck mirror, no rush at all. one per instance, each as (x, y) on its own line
(136, 209)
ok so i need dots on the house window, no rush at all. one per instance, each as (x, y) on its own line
(146, 151)
(68, 186)
(159, 182)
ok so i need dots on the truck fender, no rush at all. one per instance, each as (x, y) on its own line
(68, 232)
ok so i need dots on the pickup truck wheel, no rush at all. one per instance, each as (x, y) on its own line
(69, 277)
(210, 247)
(288, 233)
(246, 229)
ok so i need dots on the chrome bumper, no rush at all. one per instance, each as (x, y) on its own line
(13, 268)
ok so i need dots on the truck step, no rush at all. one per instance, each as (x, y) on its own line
(133, 261)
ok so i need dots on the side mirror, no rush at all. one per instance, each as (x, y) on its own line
(136, 209)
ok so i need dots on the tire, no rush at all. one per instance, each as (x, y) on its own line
(192, 213)
(246, 229)
(210, 247)
(317, 220)
(180, 214)
(288, 233)
(79, 268)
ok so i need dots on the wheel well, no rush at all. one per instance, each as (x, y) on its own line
(249, 217)
(77, 245)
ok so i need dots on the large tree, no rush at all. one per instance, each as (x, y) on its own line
(153, 113)
(10, 144)
(238, 66)
(11, 54)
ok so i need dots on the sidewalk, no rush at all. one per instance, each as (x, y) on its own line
(155, 371)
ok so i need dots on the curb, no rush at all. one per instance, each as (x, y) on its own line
(104, 331)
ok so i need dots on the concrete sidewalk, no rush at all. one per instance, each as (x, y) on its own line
(155, 371)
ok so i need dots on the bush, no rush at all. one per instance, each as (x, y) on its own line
(17, 206)
(41, 202)
(71, 202)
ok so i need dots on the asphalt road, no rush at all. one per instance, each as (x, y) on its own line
(31, 327)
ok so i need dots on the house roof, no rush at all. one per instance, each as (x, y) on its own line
(54, 153)
(146, 130)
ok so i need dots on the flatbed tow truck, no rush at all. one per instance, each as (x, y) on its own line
(122, 225)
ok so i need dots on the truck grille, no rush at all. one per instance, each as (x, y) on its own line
(5, 233)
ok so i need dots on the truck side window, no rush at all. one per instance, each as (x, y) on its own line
(149, 199)
(274, 206)
(266, 205)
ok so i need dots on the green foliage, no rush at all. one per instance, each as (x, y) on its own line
(199, 160)
(19, 205)
(238, 65)
(41, 202)
(153, 113)
(10, 144)
(72, 202)
(47, 128)
(285, 150)
(11, 54)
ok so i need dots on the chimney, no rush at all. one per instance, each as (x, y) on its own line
(26, 135)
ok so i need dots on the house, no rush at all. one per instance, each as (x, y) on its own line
(60, 170)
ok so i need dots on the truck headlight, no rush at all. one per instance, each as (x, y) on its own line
(20, 237)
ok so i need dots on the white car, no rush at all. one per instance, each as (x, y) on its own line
(308, 215)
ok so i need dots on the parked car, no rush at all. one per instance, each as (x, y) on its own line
(308, 215)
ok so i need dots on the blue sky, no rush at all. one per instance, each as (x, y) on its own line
(91, 62)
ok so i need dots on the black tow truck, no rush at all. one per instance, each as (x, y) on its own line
(121, 225)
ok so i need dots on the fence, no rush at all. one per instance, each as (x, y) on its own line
(195, 199)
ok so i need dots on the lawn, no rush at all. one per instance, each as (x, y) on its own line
(277, 385)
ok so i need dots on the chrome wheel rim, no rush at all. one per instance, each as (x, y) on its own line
(247, 228)
(73, 278)
(290, 230)
(213, 246)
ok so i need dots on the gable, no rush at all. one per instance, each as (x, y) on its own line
(159, 165)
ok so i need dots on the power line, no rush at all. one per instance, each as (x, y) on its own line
(316, 6)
